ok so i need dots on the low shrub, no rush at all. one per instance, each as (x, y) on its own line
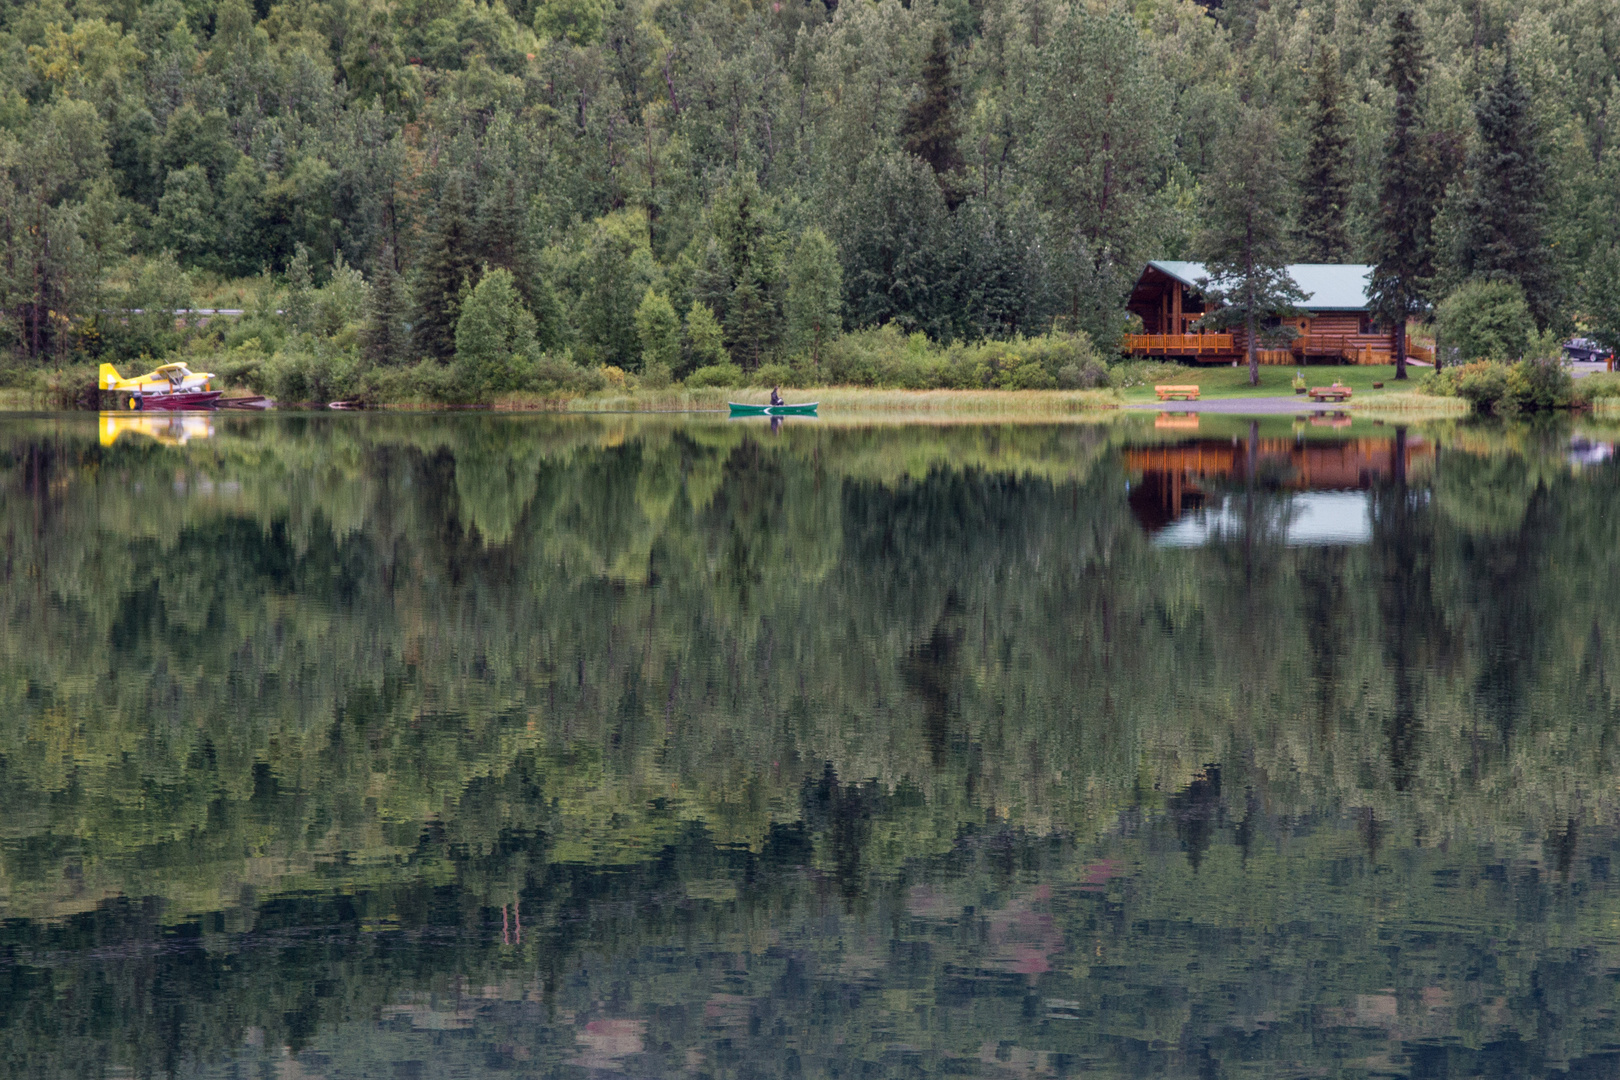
(884, 357)
(1482, 384)
(304, 371)
(1091, 375)
(768, 375)
(1529, 385)
(1023, 373)
(1536, 385)
(1485, 320)
(239, 366)
(721, 375)
(557, 373)
(1442, 383)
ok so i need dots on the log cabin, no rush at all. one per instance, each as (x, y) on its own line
(1334, 324)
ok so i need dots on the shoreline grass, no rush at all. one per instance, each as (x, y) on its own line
(1408, 403)
(854, 399)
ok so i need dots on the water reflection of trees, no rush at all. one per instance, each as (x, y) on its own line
(628, 673)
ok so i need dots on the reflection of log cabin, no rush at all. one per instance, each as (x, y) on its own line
(1174, 477)
(1334, 325)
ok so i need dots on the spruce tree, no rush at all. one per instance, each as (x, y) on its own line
(1326, 181)
(550, 319)
(502, 237)
(1503, 236)
(445, 273)
(749, 320)
(384, 336)
(930, 129)
(1403, 231)
(1244, 240)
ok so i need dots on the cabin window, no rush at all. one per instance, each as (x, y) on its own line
(1367, 324)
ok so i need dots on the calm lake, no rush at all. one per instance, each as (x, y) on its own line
(415, 746)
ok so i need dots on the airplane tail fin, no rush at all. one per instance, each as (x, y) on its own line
(109, 377)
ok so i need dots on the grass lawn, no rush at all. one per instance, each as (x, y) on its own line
(1278, 381)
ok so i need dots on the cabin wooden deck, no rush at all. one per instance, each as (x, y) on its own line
(1343, 333)
(1307, 348)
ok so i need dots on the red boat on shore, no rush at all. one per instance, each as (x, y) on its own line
(196, 399)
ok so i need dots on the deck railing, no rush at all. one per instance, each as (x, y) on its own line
(1366, 348)
(1179, 344)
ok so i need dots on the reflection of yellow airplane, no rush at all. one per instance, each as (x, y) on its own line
(167, 379)
(176, 429)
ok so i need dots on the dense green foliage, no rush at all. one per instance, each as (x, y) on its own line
(1484, 320)
(977, 169)
(793, 749)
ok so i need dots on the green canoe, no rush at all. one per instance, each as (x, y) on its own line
(806, 409)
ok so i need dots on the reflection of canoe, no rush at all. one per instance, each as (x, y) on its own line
(806, 409)
(202, 399)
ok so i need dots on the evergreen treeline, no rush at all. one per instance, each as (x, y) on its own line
(674, 184)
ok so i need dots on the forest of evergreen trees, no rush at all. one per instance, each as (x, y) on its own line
(665, 185)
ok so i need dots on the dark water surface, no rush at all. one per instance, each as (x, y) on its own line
(488, 746)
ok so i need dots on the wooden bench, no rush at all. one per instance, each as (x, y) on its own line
(1184, 393)
(1330, 393)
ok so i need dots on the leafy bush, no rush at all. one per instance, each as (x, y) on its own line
(240, 366)
(1023, 373)
(1442, 383)
(1528, 385)
(1482, 384)
(1485, 320)
(769, 375)
(306, 371)
(725, 375)
(1540, 384)
(885, 358)
(1086, 376)
(556, 373)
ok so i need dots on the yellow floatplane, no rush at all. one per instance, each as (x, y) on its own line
(169, 386)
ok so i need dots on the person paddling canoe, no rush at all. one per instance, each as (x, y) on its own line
(776, 396)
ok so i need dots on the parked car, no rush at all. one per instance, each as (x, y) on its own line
(1584, 349)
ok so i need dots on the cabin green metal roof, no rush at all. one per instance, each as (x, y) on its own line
(1327, 286)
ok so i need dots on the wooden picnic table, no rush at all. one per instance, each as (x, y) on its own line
(1330, 393)
(1185, 393)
